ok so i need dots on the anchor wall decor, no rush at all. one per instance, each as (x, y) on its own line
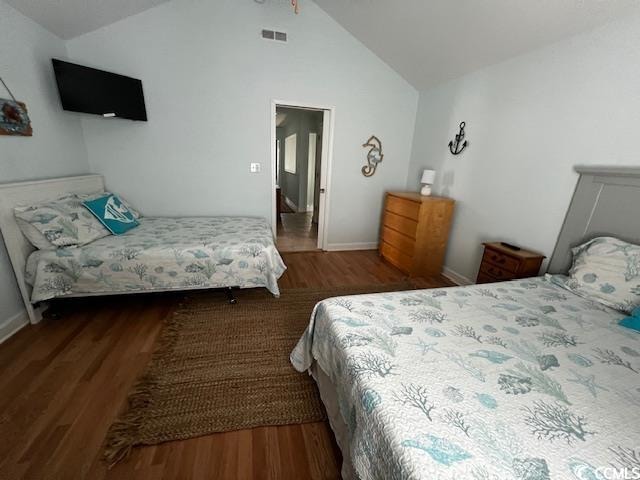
(454, 145)
(374, 156)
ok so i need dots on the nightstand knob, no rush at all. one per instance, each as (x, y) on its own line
(498, 259)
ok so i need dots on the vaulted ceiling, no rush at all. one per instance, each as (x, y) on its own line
(426, 41)
(431, 41)
(70, 18)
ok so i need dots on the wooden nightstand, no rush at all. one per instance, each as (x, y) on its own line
(501, 263)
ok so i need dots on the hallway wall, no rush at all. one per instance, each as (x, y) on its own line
(301, 123)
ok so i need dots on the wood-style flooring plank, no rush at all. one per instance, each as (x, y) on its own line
(64, 381)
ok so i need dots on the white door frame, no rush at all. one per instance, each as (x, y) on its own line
(325, 167)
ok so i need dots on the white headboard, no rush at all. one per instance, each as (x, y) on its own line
(27, 193)
(606, 202)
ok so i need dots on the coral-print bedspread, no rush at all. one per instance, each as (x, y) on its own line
(516, 380)
(163, 254)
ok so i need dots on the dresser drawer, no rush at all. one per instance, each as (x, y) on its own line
(395, 257)
(495, 272)
(398, 240)
(501, 260)
(404, 225)
(414, 231)
(405, 208)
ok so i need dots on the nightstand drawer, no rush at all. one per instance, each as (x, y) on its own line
(504, 262)
(395, 257)
(484, 278)
(501, 260)
(405, 208)
(400, 224)
(398, 240)
(496, 272)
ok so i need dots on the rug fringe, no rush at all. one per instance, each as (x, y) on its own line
(123, 434)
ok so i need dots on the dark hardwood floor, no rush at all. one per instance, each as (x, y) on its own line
(63, 382)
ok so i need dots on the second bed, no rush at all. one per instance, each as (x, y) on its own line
(162, 254)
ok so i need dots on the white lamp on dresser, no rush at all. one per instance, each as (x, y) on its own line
(428, 178)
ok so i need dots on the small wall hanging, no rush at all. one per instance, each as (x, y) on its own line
(454, 145)
(374, 155)
(14, 119)
(294, 3)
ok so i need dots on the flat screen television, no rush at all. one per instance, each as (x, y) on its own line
(87, 90)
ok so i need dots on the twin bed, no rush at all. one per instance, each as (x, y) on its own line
(161, 254)
(513, 380)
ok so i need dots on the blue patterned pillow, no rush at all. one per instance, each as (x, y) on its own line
(112, 213)
(92, 196)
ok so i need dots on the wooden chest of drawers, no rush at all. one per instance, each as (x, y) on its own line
(503, 263)
(414, 232)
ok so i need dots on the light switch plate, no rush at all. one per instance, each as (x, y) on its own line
(255, 168)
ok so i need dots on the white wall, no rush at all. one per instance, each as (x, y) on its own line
(529, 121)
(209, 80)
(56, 148)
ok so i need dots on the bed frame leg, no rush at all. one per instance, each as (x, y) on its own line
(230, 297)
(52, 311)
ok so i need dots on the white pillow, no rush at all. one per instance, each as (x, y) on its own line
(63, 222)
(607, 270)
(34, 235)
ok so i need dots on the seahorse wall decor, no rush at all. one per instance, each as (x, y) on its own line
(374, 155)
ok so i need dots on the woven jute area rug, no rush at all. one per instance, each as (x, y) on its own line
(221, 367)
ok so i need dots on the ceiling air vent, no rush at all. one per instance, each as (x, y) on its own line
(273, 35)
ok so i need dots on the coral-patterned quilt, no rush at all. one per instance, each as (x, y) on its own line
(515, 380)
(162, 254)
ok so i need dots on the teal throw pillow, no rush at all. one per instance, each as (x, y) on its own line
(631, 322)
(112, 213)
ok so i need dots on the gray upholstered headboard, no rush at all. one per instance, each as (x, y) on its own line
(606, 202)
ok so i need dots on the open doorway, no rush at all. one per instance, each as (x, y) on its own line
(299, 143)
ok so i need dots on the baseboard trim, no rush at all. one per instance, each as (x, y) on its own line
(455, 277)
(345, 247)
(11, 326)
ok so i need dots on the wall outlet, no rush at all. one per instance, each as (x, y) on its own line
(255, 168)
